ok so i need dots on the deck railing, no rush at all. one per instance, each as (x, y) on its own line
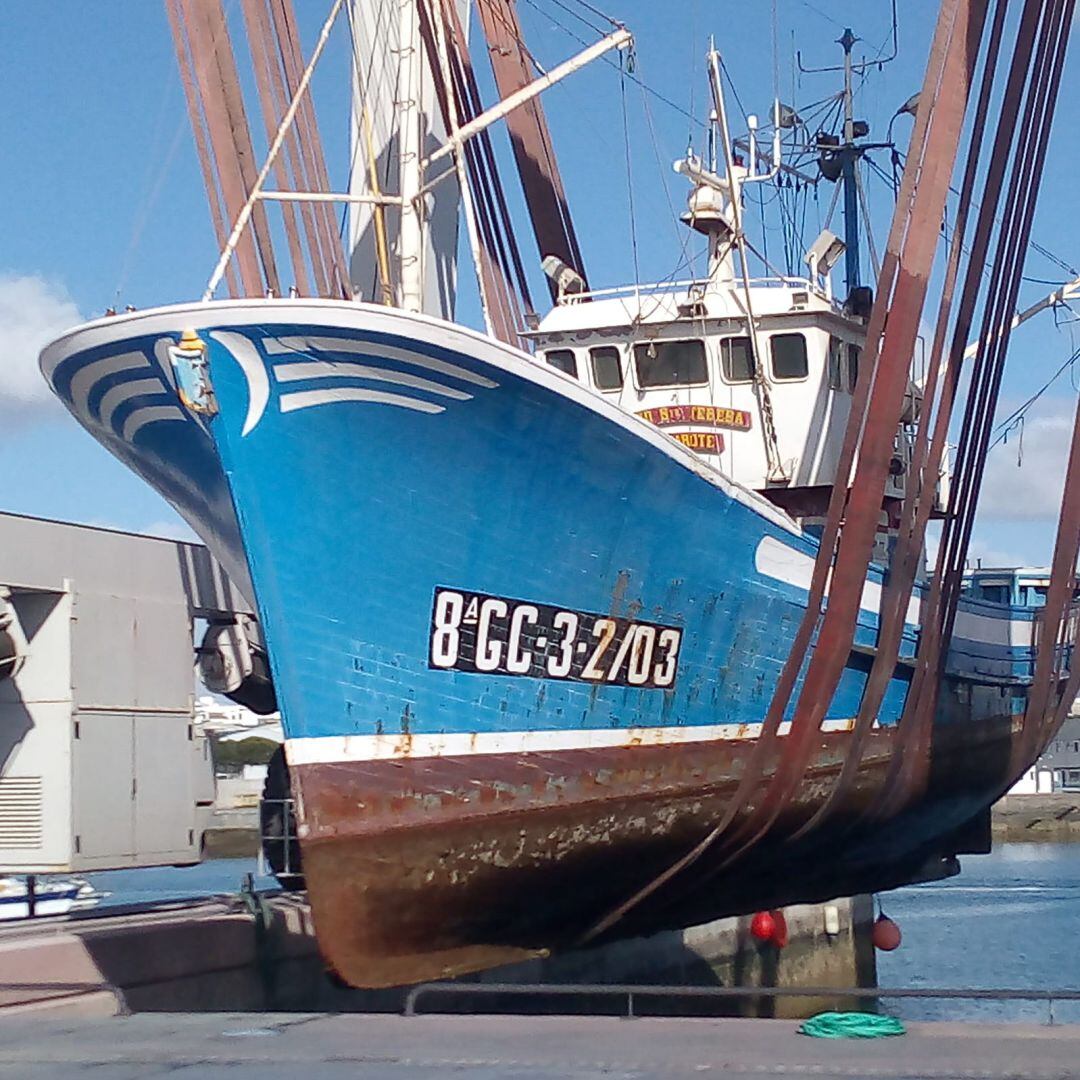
(697, 285)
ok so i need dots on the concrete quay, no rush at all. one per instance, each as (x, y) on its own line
(209, 1046)
(217, 955)
(1033, 818)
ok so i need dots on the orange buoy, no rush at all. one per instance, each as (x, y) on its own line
(886, 934)
(780, 930)
(763, 926)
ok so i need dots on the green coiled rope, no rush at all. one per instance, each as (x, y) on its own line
(851, 1025)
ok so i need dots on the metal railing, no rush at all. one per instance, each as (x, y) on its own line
(687, 286)
(285, 841)
(631, 993)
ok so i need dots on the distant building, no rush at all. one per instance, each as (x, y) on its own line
(225, 722)
(1059, 767)
(224, 717)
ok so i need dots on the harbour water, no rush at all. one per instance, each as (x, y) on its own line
(1011, 919)
(215, 877)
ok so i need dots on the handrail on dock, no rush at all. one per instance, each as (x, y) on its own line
(630, 991)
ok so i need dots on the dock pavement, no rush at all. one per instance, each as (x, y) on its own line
(251, 1046)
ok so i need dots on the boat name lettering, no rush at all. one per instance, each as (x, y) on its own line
(704, 442)
(712, 415)
(493, 635)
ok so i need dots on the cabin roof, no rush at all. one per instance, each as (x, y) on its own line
(691, 302)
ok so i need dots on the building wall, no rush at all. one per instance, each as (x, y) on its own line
(100, 763)
(1059, 767)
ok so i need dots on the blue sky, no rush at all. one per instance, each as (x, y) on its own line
(103, 204)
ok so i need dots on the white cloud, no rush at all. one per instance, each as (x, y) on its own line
(171, 530)
(980, 550)
(982, 553)
(32, 312)
(1025, 477)
(165, 528)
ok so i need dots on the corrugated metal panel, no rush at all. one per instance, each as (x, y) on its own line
(20, 812)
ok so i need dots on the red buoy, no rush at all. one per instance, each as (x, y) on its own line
(763, 926)
(780, 930)
(886, 934)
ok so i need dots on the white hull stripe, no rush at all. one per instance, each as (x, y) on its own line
(117, 395)
(327, 749)
(330, 370)
(304, 346)
(247, 356)
(150, 414)
(775, 559)
(305, 399)
(86, 378)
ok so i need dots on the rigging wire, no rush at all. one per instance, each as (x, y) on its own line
(498, 12)
(149, 201)
(363, 88)
(617, 65)
(581, 18)
(690, 67)
(688, 256)
(1016, 418)
(629, 175)
(1070, 270)
(817, 11)
(1034, 245)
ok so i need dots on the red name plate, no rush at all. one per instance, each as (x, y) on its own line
(711, 415)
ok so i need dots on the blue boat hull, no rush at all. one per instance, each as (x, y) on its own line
(523, 643)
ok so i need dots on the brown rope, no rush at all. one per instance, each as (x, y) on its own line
(310, 146)
(920, 495)
(226, 83)
(263, 61)
(944, 57)
(203, 51)
(198, 130)
(909, 768)
(530, 138)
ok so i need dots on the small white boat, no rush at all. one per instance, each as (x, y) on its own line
(50, 897)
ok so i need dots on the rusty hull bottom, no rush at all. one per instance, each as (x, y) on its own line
(427, 868)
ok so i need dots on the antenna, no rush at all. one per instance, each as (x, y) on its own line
(862, 65)
(844, 155)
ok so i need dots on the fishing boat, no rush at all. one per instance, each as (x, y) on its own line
(18, 900)
(535, 600)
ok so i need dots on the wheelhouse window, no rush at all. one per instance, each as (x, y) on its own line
(1036, 595)
(737, 359)
(836, 364)
(996, 594)
(606, 367)
(789, 360)
(670, 363)
(563, 359)
(853, 355)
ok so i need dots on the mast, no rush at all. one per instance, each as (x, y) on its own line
(839, 154)
(850, 155)
(776, 473)
(411, 236)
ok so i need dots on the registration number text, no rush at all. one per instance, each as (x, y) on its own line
(498, 636)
